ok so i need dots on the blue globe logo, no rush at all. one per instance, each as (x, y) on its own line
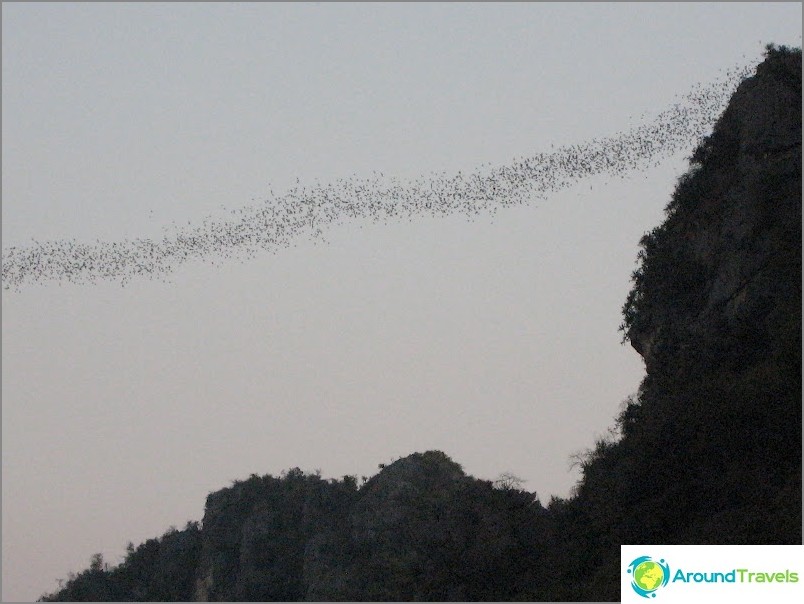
(648, 575)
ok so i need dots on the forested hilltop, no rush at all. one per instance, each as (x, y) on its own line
(707, 451)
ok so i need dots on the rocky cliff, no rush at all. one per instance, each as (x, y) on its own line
(734, 222)
(708, 450)
(420, 526)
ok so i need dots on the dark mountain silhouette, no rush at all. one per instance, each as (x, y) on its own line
(708, 451)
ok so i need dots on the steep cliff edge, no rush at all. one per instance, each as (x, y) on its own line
(727, 251)
(708, 451)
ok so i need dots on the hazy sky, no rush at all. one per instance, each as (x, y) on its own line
(494, 340)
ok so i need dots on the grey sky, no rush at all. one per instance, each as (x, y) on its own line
(494, 340)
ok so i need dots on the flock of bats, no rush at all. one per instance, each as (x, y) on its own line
(306, 211)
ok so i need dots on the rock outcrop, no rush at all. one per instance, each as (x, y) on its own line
(726, 254)
(419, 528)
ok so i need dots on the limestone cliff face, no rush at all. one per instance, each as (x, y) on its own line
(303, 538)
(264, 538)
(735, 217)
(709, 448)
(420, 529)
